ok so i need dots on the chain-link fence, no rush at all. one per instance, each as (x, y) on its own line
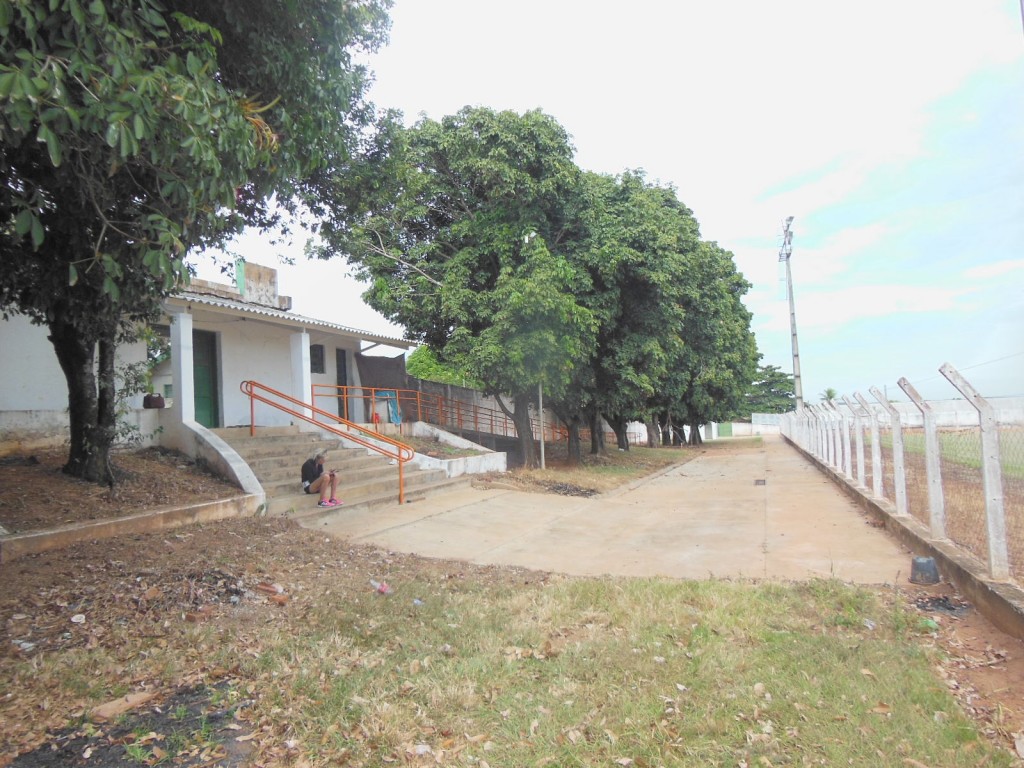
(956, 466)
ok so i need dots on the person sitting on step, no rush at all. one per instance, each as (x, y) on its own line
(315, 480)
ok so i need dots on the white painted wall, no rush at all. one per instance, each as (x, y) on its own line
(34, 392)
(32, 378)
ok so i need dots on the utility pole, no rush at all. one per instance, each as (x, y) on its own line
(785, 252)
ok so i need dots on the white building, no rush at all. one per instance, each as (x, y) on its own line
(219, 337)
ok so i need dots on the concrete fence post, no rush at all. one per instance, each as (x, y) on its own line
(844, 440)
(833, 420)
(992, 478)
(858, 432)
(829, 435)
(806, 431)
(812, 430)
(822, 433)
(876, 446)
(818, 432)
(899, 473)
(837, 428)
(932, 462)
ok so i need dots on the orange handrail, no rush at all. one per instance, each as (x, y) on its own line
(436, 409)
(400, 452)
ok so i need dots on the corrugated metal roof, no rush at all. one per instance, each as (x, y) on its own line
(286, 318)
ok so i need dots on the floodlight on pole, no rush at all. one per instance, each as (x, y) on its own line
(785, 252)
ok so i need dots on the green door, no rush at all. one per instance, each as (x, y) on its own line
(204, 376)
(725, 429)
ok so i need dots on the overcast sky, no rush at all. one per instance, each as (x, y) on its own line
(891, 130)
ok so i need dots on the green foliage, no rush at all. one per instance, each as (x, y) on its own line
(638, 237)
(423, 364)
(464, 245)
(132, 131)
(717, 357)
(772, 391)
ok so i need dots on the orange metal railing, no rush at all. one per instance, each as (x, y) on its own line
(393, 449)
(433, 409)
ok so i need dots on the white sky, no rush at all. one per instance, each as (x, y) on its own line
(890, 131)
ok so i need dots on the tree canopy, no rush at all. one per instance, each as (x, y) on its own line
(489, 245)
(772, 391)
(467, 248)
(134, 130)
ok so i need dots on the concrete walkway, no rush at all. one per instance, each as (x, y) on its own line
(707, 518)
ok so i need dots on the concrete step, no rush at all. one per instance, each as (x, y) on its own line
(232, 433)
(287, 481)
(361, 483)
(304, 508)
(281, 467)
(283, 446)
(276, 454)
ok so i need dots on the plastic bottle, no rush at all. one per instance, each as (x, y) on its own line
(381, 587)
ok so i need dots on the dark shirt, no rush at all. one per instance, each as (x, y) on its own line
(311, 470)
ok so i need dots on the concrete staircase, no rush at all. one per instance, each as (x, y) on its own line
(276, 454)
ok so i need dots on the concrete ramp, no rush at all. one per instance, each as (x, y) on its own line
(745, 511)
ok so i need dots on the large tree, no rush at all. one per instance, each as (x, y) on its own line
(468, 250)
(772, 391)
(641, 235)
(717, 360)
(133, 130)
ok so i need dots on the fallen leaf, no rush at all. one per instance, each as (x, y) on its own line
(867, 673)
(112, 709)
(881, 709)
(202, 614)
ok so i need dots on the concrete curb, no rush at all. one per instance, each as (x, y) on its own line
(1001, 603)
(16, 545)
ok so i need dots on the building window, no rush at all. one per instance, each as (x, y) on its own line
(316, 358)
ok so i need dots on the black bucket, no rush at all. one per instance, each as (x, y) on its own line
(923, 570)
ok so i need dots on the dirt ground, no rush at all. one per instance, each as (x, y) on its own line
(120, 589)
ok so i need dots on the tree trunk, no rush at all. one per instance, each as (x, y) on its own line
(575, 446)
(596, 435)
(90, 415)
(520, 415)
(619, 426)
(695, 434)
(666, 430)
(653, 432)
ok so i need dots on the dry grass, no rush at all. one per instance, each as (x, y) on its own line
(465, 665)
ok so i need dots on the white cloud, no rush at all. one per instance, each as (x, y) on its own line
(997, 269)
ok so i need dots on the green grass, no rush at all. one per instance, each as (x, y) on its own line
(587, 672)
